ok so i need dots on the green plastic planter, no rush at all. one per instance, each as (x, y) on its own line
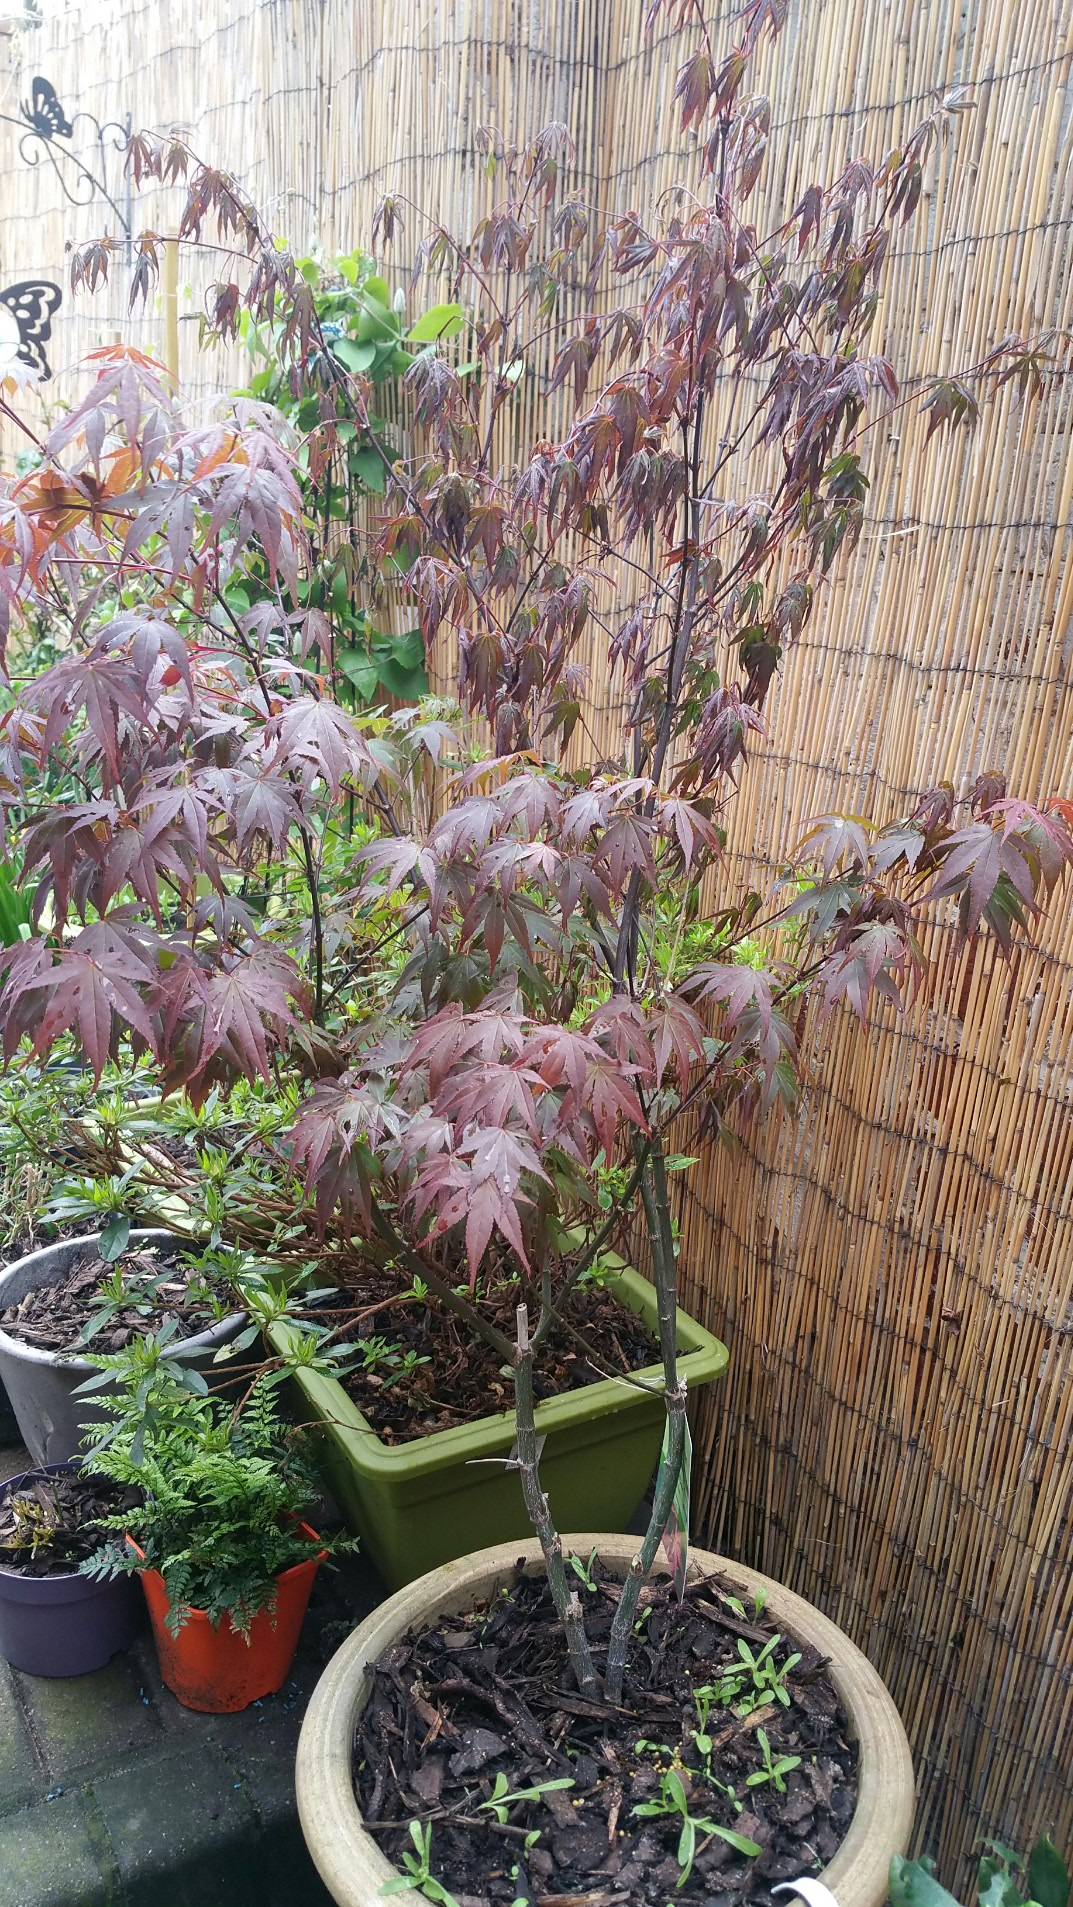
(420, 1504)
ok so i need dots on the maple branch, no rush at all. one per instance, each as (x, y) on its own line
(318, 924)
(566, 1600)
(597, 1242)
(655, 1195)
(446, 1293)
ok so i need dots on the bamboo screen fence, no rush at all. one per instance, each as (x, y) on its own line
(893, 1268)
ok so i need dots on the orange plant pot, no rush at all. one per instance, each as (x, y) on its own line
(211, 1667)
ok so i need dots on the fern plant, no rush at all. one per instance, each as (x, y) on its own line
(221, 1493)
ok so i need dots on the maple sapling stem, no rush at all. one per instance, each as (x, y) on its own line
(567, 1602)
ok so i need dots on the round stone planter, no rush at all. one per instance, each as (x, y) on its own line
(351, 1864)
(41, 1384)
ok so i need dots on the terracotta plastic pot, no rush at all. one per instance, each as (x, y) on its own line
(42, 1384)
(63, 1625)
(351, 1864)
(210, 1666)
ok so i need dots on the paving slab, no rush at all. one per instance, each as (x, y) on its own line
(58, 1863)
(21, 1772)
(113, 1795)
(65, 1715)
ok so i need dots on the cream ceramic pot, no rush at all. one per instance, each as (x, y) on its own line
(351, 1864)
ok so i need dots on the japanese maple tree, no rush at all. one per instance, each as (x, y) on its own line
(580, 975)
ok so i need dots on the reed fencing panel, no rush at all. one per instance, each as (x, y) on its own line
(893, 1268)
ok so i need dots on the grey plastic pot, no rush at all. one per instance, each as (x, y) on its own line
(64, 1625)
(352, 1866)
(41, 1384)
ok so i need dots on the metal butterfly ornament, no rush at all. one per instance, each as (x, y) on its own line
(44, 113)
(26, 314)
(46, 133)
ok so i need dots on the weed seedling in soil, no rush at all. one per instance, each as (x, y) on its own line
(503, 1798)
(749, 1684)
(135, 1289)
(673, 1800)
(772, 1771)
(704, 1746)
(737, 1607)
(583, 1571)
(418, 1877)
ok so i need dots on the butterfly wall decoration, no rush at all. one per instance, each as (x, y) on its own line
(46, 128)
(26, 314)
(43, 112)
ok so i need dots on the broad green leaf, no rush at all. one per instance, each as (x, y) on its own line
(356, 354)
(1048, 1875)
(408, 684)
(368, 466)
(911, 1885)
(376, 321)
(442, 321)
(410, 648)
(359, 668)
(996, 1887)
(114, 1237)
(340, 591)
(14, 912)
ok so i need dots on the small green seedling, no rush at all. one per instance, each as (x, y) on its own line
(749, 1683)
(502, 1798)
(646, 1747)
(673, 1801)
(584, 1572)
(418, 1876)
(772, 1770)
(521, 1900)
(704, 1746)
(704, 1700)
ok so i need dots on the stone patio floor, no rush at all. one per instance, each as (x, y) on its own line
(111, 1793)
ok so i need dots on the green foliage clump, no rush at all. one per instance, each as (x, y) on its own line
(1004, 1878)
(221, 1493)
(360, 333)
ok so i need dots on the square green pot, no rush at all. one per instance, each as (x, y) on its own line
(420, 1504)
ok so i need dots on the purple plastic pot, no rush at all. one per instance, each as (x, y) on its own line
(63, 1625)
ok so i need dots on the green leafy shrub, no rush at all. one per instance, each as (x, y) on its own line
(221, 1492)
(360, 332)
(1004, 1879)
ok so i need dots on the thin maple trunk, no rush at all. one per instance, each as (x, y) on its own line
(317, 924)
(567, 1602)
(656, 1198)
